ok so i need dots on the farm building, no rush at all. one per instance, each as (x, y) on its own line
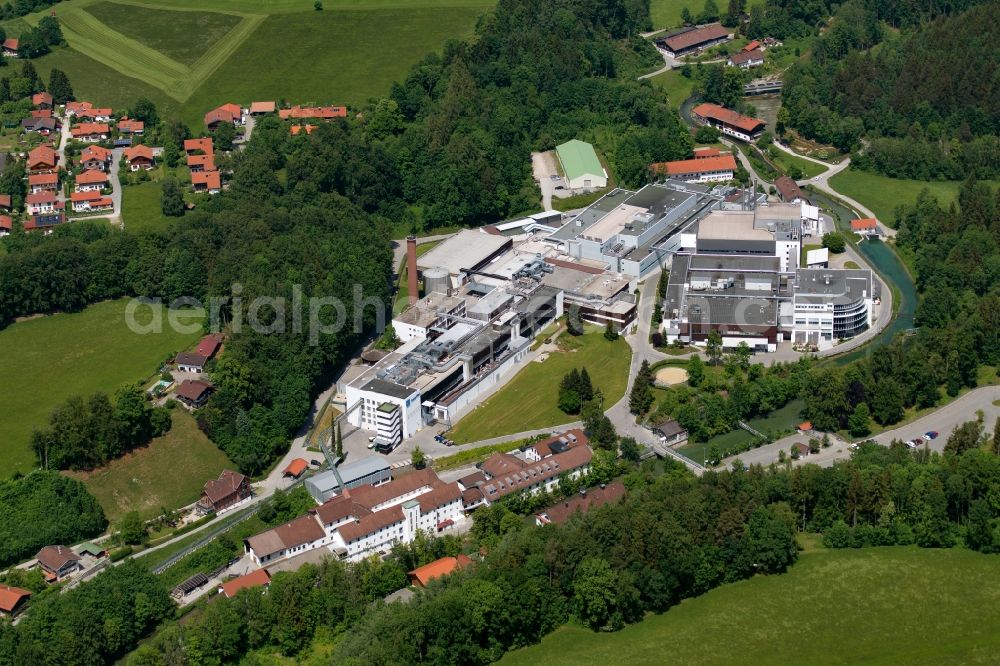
(58, 562)
(261, 108)
(227, 113)
(10, 47)
(746, 59)
(691, 40)
(581, 166)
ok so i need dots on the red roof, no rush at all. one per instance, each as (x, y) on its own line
(4, 201)
(40, 197)
(6, 222)
(296, 467)
(727, 116)
(138, 152)
(88, 129)
(42, 155)
(806, 426)
(210, 179)
(10, 597)
(297, 129)
(41, 98)
(690, 167)
(93, 112)
(92, 195)
(10, 43)
(257, 578)
(228, 482)
(133, 126)
(90, 177)
(43, 179)
(206, 162)
(864, 224)
(744, 57)
(587, 500)
(209, 345)
(325, 112)
(752, 46)
(707, 151)
(262, 107)
(204, 145)
(41, 113)
(446, 565)
(95, 153)
(692, 38)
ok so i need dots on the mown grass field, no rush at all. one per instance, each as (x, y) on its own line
(44, 361)
(189, 56)
(806, 168)
(141, 209)
(882, 194)
(529, 400)
(677, 86)
(151, 477)
(874, 606)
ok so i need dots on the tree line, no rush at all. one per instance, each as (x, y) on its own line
(924, 99)
(84, 433)
(45, 508)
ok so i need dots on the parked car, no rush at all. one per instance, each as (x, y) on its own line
(315, 463)
(554, 176)
(931, 434)
(371, 443)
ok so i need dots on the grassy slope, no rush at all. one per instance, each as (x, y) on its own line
(351, 56)
(677, 87)
(786, 161)
(141, 208)
(529, 401)
(882, 194)
(167, 31)
(878, 605)
(46, 360)
(150, 478)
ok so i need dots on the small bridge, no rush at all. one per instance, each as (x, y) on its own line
(762, 87)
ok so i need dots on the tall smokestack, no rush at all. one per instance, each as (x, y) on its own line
(411, 268)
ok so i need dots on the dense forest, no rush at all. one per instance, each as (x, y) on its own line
(925, 97)
(45, 508)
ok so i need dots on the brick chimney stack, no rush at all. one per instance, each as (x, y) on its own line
(411, 268)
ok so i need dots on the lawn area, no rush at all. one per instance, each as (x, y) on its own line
(806, 169)
(189, 56)
(780, 419)
(141, 209)
(151, 477)
(167, 31)
(882, 194)
(45, 360)
(677, 86)
(529, 400)
(896, 605)
(475, 454)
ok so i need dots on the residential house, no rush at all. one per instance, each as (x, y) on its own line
(91, 180)
(131, 127)
(581, 503)
(257, 578)
(5, 202)
(207, 181)
(190, 362)
(6, 224)
(199, 163)
(41, 113)
(139, 157)
(746, 59)
(788, 190)
(261, 108)
(43, 182)
(58, 562)
(196, 146)
(10, 47)
(865, 227)
(91, 132)
(12, 598)
(90, 201)
(729, 122)
(313, 112)
(92, 113)
(698, 170)
(670, 432)
(96, 158)
(227, 113)
(43, 126)
(421, 576)
(41, 202)
(42, 159)
(194, 392)
(553, 445)
(220, 494)
(42, 100)
(45, 221)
